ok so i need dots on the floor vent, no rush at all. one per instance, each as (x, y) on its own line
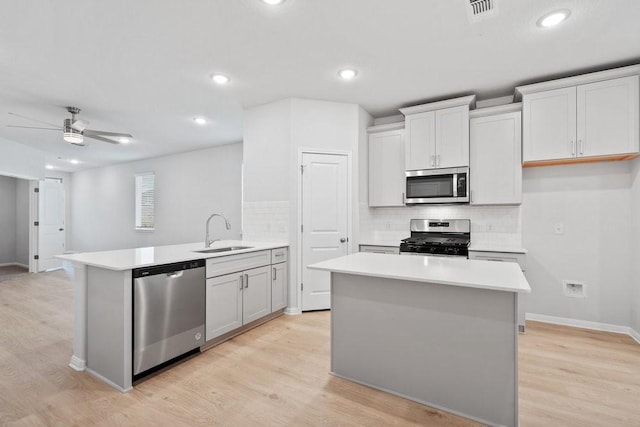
(479, 10)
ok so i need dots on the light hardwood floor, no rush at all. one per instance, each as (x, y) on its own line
(277, 375)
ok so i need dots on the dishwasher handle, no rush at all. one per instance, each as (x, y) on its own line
(175, 274)
(168, 269)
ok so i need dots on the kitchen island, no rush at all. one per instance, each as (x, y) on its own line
(439, 331)
(104, 298)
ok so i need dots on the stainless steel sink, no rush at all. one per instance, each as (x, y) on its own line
(225, 249)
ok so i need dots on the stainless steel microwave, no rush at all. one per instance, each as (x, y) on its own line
(437, 186)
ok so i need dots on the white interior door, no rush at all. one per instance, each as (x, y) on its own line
(51, 224)
(324, 222)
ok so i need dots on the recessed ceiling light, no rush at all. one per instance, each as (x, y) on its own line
(48, 167)
(221, 79)
(74, 161)
(273, 2)
(124, 140)
(200, 120)
(348, 73)
(554, 18)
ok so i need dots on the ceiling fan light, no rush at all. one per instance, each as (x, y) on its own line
(73, 138)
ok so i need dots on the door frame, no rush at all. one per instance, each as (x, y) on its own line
(299, 242)
(33, 216)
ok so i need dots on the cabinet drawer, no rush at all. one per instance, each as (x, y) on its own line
(232, 263)
(278, 255)
(500, 256)
(380, 249)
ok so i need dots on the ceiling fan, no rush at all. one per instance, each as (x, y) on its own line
(74, 130)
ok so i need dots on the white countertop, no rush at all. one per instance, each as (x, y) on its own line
(127, 259)
(499, 276)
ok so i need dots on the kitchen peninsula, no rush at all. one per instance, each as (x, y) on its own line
(185, 296)
(438, 331)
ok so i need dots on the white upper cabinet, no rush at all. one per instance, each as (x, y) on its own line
(386, 165)
(437, 134)
(420, 146)
(608, 117)
(582, 118)
(550, 124)
(496, 158)
(452, 137)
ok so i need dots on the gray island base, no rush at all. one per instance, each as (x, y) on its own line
(451, 347)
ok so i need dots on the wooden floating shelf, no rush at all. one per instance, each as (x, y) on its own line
(576, 160)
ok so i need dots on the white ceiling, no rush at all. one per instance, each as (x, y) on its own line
(144, 66)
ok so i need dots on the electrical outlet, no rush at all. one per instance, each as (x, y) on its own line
(558, 228)
(574, 288)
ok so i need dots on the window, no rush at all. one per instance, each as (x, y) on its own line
(145, 201)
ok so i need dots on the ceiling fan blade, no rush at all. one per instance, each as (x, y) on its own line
(80, 125)
(33, 127)
(99, 138)
(33, 120)
(90, 132)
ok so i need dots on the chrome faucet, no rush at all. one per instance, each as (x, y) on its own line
(207, 242)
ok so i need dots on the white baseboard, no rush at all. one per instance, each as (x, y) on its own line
(292, 311)
(11, 264)
(584, 324)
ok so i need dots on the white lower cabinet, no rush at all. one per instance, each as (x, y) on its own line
(279, 286)
(392, 250)
(236, 299)
(223, 305)
(256, 294)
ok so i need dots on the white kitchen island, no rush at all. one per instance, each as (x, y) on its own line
(103, 297)
(439, 331)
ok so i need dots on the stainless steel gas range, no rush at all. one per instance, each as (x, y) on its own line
(438, 237)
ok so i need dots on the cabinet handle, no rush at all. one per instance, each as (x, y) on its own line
(274, 273)
(246, 281)
(438, 160)
(433, 160)
(241, 282)
(573, 148)
(581, 148)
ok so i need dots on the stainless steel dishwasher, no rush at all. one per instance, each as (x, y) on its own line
(168, 314)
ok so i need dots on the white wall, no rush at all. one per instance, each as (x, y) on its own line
(22, 222)
(274, 135)
(635, 249)
(189, 187)
(21, 161)
(593, 203)
(7, 220)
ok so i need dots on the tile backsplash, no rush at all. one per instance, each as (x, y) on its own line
(490, 225)
(265, 221)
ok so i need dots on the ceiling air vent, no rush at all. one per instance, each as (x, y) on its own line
(478, 10)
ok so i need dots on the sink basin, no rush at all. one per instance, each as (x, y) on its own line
(225, 249)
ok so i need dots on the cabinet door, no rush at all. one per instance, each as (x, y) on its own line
(386, 168)
(549, 125)
(496, 160)
(608, 117)
(452, 137)
(256, 294)
(420, 140)
(279, 285)
(223, 304)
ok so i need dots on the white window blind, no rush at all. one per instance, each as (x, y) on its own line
(145, 201)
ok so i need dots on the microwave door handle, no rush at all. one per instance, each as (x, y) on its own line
(455, 185)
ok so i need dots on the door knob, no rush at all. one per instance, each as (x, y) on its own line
(61, 229)
(342, 240)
